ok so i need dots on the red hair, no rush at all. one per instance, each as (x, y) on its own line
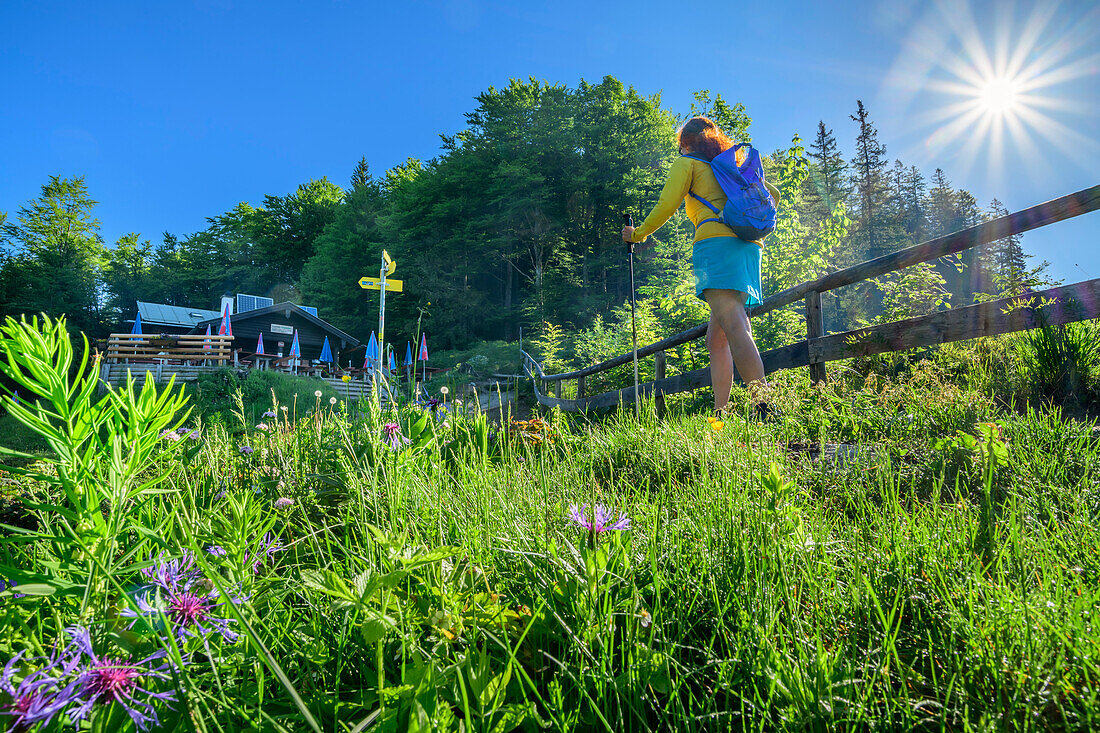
(701, 137)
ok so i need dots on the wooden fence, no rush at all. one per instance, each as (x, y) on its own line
(1077, 302)
(196, 349)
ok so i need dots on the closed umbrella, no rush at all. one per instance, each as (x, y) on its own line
(137, 324)
(260, 344)
(371, 358)
(393, 362)
(295, 347)
(326, 352)
(206, 342)
(226, 328)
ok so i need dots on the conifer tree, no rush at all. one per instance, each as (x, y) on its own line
(867, 180)
(829, 168)
(360, 177)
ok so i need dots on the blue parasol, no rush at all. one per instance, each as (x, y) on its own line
(371, 359)
(137, 324)
(326, 352)
(295, 347)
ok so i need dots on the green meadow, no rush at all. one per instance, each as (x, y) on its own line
(902, 549)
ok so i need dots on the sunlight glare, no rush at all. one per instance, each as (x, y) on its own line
(1000, 96)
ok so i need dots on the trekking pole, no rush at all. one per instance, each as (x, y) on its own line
(633, 323)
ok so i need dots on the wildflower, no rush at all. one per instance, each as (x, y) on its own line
(269, 413)
(443, 390)
(332, 400)
(717, 425)
(216, 551)
(246, 450)
(458, 403)
(36, 698)
(391, 432)
(601, 520)
(266, 548)
(644, 618)
(180, 592)
(170, 435)
(172, 572)
(220, 495)
(345, 378)
(105, 680)
(283, 408)
(284, 502)
(193, 435)
(262, 426)
(317, 393)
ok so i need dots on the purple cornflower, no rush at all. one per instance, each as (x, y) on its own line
(246, 450)
(601, 522)
(269, 413)
(284, 502)
(189, 600)
(36, 698)
(194, 610)
(391, 433)
(217, 551)
(106, 680)
(172, 572)
(266, 548)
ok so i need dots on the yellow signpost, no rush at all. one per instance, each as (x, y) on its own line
(382, 283)
(375, 283)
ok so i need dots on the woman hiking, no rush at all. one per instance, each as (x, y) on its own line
(727, 269)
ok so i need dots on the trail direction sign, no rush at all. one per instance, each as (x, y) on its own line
(370, 282)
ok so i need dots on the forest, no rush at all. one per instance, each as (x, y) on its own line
(516, 224)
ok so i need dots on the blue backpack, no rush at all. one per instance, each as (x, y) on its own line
(750, 209)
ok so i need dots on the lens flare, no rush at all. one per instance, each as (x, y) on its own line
(989, 90)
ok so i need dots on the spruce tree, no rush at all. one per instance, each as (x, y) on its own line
(360, 177)
(829, 168)
(867, 180)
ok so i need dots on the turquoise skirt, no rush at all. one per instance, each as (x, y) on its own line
(727, 263)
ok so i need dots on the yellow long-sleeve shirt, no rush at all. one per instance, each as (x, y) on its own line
(695, 175)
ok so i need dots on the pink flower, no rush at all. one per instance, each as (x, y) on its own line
(284, 502)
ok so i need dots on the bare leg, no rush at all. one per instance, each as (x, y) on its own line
(729, 342)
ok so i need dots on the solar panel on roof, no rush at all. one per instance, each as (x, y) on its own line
(247, 303)
(310, 310)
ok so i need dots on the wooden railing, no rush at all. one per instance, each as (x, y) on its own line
(1077, 302)
(198, 349)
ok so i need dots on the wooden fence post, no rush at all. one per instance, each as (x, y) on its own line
(557, 389)
(815, 329)
(580, 387)
(658, 375)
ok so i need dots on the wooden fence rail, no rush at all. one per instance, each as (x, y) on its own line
(196, 348)
(1077, 302)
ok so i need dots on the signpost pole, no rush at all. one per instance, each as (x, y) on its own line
(381, 319)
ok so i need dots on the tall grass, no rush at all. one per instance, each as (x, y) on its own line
(942, 576)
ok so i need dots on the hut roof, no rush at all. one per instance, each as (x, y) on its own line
(270, 310)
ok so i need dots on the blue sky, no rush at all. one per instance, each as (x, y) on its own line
(177, 111)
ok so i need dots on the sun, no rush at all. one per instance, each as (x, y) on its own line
(1000, 96)
(981, 91)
